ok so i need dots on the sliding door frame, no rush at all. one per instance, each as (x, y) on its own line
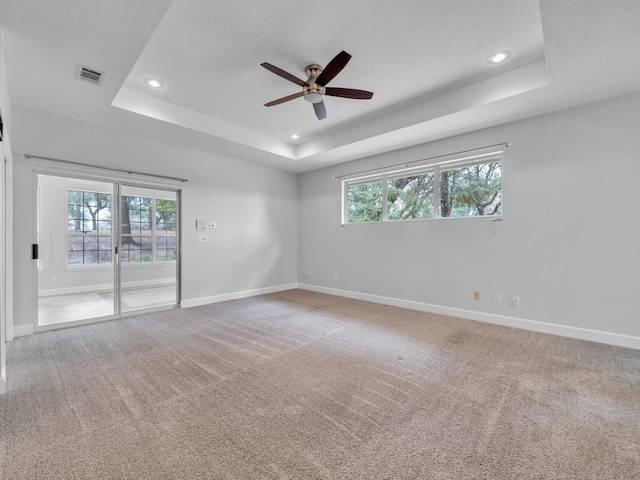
(178, 248)
(116, 244)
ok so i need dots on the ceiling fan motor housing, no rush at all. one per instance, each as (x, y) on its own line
(313, 93)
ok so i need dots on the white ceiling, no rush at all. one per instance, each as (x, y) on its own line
(425, 61)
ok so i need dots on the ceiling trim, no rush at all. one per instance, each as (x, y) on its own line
(410, 121)
(149, 106)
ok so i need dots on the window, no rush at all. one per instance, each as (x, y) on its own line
(137, 229)
(148, 229)
(166, 239)
(471, 190)
(364, 201)
(410, 195)
(464, 188)
(89, 227)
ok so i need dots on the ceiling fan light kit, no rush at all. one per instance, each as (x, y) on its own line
(314, 88)
(313, 93)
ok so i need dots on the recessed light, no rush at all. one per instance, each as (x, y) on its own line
(294, 136)
(499, 57)
(152, 82)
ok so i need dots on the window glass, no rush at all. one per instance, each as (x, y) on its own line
(136, 215)
(166, 241)
(410, 196)
(89, 226)
(166, 248)
(465, 188)
(364, 202)
(89, 212)
(137, 231)
(471, 190)
(148, 228)
(137, 248)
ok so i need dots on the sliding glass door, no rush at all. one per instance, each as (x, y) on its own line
(148, 248)
(104, 249)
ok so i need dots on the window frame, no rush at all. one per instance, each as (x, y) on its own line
(90, 234)
(435, 168)
(153, 212)
(154, 236)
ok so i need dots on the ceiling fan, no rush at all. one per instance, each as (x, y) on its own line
(314, 88)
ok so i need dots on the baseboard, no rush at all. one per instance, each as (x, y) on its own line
(236, 295)
(22, 330)
(536, 326)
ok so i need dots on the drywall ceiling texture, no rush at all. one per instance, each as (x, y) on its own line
(398, 54)
(425, 61)
(255, 207)
(571, 256)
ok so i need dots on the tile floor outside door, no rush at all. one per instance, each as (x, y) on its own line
(59, 309)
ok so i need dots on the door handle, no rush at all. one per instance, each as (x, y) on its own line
(34, 251)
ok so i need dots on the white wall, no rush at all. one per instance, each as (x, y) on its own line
(568, 244)
(5, 169)
(255, 207)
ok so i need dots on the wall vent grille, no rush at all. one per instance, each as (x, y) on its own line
(90, 75)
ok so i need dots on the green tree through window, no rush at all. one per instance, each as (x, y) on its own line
(471, 190)
(364, 202)
(137, 230)
(89, 228)
(147, 226)
(410, 196)
(148, 230)
(166, 239)
(463, 189)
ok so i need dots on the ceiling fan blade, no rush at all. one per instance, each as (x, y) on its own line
(283, 74)
(348, 93)
(333, 68)
(284, 99)
(321, 111)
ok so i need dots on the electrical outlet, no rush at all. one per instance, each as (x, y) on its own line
(239, 280)
(497, 298)
(476, 295)
(335, 277)
(515, 301)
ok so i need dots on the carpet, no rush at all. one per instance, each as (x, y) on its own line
(302, 385)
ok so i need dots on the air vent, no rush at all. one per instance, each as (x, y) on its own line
(90, 75)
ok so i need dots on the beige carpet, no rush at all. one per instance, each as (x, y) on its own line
(299, 385)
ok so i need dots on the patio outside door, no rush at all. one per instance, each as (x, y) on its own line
(104, 249)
